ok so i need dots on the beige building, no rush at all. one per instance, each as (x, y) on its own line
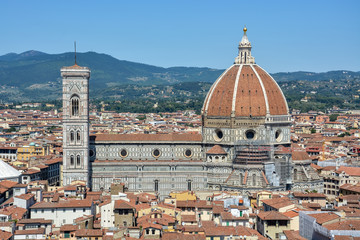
(272, 224)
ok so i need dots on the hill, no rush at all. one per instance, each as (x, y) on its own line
(35, 76)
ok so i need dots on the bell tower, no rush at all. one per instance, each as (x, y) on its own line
(75, 124)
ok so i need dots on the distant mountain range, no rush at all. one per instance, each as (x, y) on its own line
(35, 75)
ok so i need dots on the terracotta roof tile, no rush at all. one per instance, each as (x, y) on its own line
(5, 235)
(352, 171)
(324, 217)
(122, 204)
(344, 225)
(63, 204)
(293, 235)
(272, 215)
(174, 137)
(300, 155)
(7, 184)
(88, 233)
(217, 149)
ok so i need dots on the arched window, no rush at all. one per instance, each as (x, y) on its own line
(295, 174)
(78, 136)
(74, 106)
(156, 187)
(72, 162)
(72, 136)
(78, 160)
(189, 185)
(254, 179)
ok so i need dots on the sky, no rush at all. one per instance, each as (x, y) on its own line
(286, 36)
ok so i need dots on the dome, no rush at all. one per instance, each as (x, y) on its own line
(245, 90)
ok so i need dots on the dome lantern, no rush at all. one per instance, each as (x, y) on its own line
(244, 56)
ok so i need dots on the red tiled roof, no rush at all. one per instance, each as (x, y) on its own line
(5, 235)
(344, 225)
(69, 228)
(63, 204)
(217, 149)
(300, 155)
(182, 236)
(308, 195)
(291, 213)
(30, 231)
(173, 137)
(352, 171)
(34, 220)
(26, 196)
(293, 235)
(272, 215)
(88, 233)
(7, 184)
(324, 217)
(278, 202)
(188, 218)
(122, 204)
(351, 187)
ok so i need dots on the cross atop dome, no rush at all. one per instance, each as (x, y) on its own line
(244, 56)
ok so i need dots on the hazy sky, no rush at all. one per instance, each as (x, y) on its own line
(285, 35)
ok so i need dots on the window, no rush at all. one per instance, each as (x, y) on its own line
(74, 106)
(156, 185)
(72, 137)
(218, 135)
(189, 185)
(278, 135)
(72, 162)
(78, 160)
(78, 136)
(153, 231)
(123, 153)
(188, 153)
(250, 134)
(156, 153)
(74, 210)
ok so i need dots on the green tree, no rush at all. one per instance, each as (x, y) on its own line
(333, 117)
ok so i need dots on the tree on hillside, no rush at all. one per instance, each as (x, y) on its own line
(333, 117)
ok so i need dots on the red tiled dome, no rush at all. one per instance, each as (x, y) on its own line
(245, 90)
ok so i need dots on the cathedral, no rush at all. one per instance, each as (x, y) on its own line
(244, 144)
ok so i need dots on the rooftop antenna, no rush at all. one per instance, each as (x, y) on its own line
(75, 51)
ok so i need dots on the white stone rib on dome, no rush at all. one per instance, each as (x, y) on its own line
(235, 90)
(7, 171)
(263, 89)
(286, 103)
(209, 95)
